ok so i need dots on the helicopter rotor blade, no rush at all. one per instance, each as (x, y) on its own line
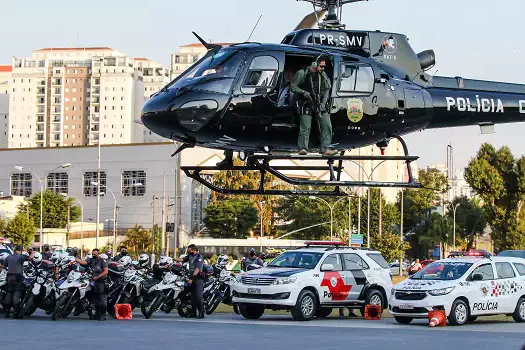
(310, 20)
(208, 46)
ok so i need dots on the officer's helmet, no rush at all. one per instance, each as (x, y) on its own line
(222, 260)
(37, 258)
(104, 256)
(3, 256)
(125, 261)
(143, 260)
(55, 257)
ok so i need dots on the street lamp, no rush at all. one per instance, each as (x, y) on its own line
(20, 168)
(81, 224)
(331, 213)
(454, 233)
(94, 183)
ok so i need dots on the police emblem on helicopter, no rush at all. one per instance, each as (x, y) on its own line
(355, 110)
(389, 44)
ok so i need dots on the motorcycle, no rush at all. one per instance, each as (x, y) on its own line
(43, 292)
(75, 291)
(116, 273)
(132, 288)
(226, 280)
(3, 285)
(166, 293)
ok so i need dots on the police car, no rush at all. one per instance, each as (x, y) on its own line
(465, 285)
(312, 280)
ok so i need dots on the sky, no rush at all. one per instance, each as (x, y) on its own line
(477, 39)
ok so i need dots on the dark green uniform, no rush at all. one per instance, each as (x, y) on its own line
(318, 85)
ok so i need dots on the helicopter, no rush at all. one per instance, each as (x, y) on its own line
(238, 98)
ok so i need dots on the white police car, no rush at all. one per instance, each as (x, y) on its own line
(310, 281)
(465, 286)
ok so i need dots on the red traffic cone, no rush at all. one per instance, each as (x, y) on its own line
(437, 318)
(123, 312)
(373, 312)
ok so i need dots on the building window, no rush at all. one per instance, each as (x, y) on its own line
(200, 198)
(58, 182)
(21, 184)
(91, 190)
(129, 181)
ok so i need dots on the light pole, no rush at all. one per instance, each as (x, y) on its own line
(114, 211)
(262, 203)
(81, 225)
(454, 233)
(20, 168)
(331, 213)
(101, 60)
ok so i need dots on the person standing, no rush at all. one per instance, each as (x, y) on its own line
(196, 264)
(100, 271)
(123, 252)
(252, 259)
(314, 86)
(46, 255)
(15, 276)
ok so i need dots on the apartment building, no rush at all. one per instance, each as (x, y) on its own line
(186, 56)
(74, 96)
(155, 78)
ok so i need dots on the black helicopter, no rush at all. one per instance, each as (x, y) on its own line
(237, 98)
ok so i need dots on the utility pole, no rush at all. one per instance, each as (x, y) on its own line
(116, 226)
(380, 214)
(68, 219)
(163, 239)
(401, 233)
(349, 221)
(153, 233)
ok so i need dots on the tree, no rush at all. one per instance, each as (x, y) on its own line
(54, 210)
(3, 226)
(21, 230)
(389, 245)
(234, 179)
(470, 219)
(499, 179)
(231, 218)
(138, 239)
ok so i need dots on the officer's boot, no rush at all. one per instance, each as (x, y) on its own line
(7, 313)
(200, 312)
(103, 310)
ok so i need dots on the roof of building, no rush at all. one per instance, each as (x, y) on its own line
(75, 49)
(6, 68)
(141, 59)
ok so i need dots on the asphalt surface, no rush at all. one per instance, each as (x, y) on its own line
(230, 331)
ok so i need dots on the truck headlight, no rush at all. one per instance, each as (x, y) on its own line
(443, 291)
(285, 280)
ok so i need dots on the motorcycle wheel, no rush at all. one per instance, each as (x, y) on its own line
(155, 304)
(236, 309)
(213, 305)
(185, 311)
(59, 307)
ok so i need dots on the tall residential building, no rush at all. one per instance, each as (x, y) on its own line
(74, 96)
(155, 78)
(5, 78)
(188, 55)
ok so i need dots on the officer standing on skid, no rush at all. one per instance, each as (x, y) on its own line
(15, 276)
(196, 264)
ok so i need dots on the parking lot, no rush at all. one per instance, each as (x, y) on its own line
(229, 331)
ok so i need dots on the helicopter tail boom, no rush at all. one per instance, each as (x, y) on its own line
(474, 102)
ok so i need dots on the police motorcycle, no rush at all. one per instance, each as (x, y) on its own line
(133, 282)
(43, 292)
(116, 273)
(225, 279)
(166, 293)
(75, 293)
(3, 279)
(211, 286)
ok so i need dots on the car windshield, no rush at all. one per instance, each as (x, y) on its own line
(214, 73)
(303, 260)
(443, 270)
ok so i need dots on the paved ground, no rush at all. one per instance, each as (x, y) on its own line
(229, 331)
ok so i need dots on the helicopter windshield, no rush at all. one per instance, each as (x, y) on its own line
(215, 73)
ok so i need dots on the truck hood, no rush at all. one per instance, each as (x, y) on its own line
(410, 284)
(275, 272)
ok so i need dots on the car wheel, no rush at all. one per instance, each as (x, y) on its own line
(459, 313)
(403, 319)
(373, 297)
(519, 312)
(324, 312)
(306, 306)
(251, 311)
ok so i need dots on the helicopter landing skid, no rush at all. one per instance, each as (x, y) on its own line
(261, 163)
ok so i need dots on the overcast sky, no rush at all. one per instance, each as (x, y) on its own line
(478, 39)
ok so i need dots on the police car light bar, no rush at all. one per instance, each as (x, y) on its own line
(480, 253)
(324, 243)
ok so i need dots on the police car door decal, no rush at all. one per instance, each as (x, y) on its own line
(337, 289)
(355, 276)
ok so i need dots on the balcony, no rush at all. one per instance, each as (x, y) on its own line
(95, 91)
(57, 101)
(40, 101)
(55, 119)
(40, 91)
(40, 119)
(56, 82)
(40, 137)
(40, 128)
(57, 91)
(95, 100)
(57, 110)
(95, 82)
(55, 128)
(40, 110)
(41, 83)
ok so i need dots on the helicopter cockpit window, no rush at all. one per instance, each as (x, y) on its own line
(261, 76)
(356, 78)
(215, 73)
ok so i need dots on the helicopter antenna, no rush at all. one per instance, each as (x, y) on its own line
(247, 40)
(206, 45)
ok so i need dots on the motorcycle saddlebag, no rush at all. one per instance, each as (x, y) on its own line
(47, 265)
